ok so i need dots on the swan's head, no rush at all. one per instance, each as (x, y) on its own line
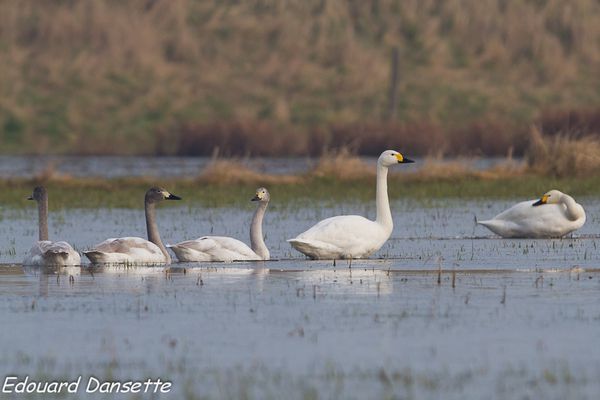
(156, 194)
(391, 157)
(551, 197)
(262, 194)
(38, 193)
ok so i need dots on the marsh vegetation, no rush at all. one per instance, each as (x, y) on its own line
(571, 164)
(272, 78)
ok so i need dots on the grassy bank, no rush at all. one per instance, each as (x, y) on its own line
(129, 193)
(565, 163)
(289, 78)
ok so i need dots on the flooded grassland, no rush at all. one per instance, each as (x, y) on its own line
(444, 310)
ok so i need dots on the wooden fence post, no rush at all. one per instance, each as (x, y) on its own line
(393, 91)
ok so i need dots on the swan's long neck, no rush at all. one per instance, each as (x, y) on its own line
(574, 210)
(384, 214)
(152, 229)
(257, 242)
(43, 217)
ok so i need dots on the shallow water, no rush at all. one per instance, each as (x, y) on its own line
(251, 332)
(165, 167)
(443, 231)
(509, 318)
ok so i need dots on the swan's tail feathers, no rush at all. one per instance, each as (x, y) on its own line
(185, 254)
(298, 242)
(486, 223)
(95, 256)
(55, 257)
(303, 246)
(315, 249)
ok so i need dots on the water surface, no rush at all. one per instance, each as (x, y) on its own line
(168, 167)
(503, 319)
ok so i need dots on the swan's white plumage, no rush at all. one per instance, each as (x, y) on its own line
(353, 236)
(227, 249)
(213, 248)
(46, 252)
(126, 250)
(345, 236)
(555, 217)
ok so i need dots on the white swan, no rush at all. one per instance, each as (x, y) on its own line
(135, 250)
(554, 215)
(226, 249)
(353, 236)
(45, 252)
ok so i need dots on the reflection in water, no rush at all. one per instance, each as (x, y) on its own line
(363, 280)
(55, 274)
(340, 328)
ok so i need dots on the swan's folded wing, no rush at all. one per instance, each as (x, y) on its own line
(46, 252)
(344, 231)
(203, 244)
(126, 245)
(57, 247)
(519, 211)
(234, 246)
(36, 253)
(214, 244)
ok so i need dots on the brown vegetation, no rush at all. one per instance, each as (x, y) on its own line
(345, 166)
(230, 171)
(481, 138)
(342, 165)
(563, 155)
(289, 78)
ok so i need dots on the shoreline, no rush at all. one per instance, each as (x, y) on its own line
(289, 190)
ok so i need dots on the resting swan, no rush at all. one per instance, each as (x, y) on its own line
(554, 215)
(45, 252)
(353, 236)
(135, 250)
(226, 249)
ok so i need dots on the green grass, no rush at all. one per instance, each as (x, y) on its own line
(129, 193)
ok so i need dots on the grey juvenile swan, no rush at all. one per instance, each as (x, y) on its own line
(45, 252)
(135, 250)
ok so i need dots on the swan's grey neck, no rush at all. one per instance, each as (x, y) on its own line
(257, 242)
(384, 214)
(43, 217)
(574, 211)
(152, 229)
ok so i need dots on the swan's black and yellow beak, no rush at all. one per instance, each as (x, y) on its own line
(30, 198)
(172, 197)
(255, 198)
(541, 201)
(403, 160)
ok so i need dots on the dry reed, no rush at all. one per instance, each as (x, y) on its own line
(229, 171)
(165, 74)
(563, 155)
(342, 165)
